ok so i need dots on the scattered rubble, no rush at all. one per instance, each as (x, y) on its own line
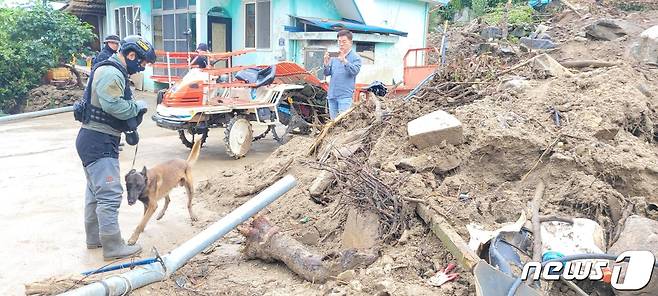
(639, 233)
(646, 50)
(469, 148)
(49, 97)
(605, 30)
(537, 43)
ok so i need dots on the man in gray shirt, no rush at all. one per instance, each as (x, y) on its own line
(343, 70)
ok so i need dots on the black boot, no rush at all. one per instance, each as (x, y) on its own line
(114, 247)
(93, 238)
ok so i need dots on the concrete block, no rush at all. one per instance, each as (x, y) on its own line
(550, 66)
(538, 43)
(321, 183)
(639, 234)
(646, 49)
(433, 128)
(606, 30)
(491, 33)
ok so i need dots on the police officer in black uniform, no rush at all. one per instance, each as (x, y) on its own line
(106, 111)
(111, 46)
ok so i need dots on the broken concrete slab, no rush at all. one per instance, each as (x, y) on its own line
(495, 48)
(434, 128)
(550, 66)
(537, 43)
(606, 30)
(491, 33)
(639, 234)
(321, 183)
(361, 229)
(437, 164)
(646, 49)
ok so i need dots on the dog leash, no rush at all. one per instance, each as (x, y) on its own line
(135, 156)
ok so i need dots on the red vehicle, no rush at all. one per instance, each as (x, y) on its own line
(283, 97)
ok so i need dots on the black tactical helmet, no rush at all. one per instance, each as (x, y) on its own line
(143, 48)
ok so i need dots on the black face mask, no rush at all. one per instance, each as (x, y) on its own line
(134, 66)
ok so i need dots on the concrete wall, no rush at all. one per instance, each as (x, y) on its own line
(147, 33)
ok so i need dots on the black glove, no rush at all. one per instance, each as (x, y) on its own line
(132, 137)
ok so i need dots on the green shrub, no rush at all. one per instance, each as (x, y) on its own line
(31, 42)
(518, 14)
(480, 7)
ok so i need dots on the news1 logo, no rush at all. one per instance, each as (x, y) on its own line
(638, 270)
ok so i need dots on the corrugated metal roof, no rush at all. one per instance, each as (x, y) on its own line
(335, 25)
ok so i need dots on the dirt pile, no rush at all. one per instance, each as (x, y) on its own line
(589, 133)
(49, 97)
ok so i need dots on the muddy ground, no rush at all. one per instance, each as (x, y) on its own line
(42, 190)
(600, 162)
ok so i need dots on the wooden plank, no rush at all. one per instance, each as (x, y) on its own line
(449, 237)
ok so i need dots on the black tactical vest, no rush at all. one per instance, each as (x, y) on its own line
(84, 111)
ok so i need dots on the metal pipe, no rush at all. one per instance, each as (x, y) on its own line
(123, 283)
(34, 114)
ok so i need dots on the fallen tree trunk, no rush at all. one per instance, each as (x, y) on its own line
(265, 242)
(587, 63)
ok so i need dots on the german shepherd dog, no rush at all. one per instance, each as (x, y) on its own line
(149, 186)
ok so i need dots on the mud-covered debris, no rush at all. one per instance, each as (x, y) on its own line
(537, 43)
(265, 241)
(321, 183)
(606, 30)
(547, 65)
(646, 49)
(639, 234)
(438, 164)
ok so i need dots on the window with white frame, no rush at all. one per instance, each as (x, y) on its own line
(257, 27)
(127, 21)
(174, 28)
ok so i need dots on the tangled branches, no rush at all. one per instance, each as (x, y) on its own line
(361, 188)
(456, 84)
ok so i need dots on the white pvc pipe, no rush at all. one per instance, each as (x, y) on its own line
(124, 283)
(34, 114)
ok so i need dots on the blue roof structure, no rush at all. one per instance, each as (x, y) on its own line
(335, 25)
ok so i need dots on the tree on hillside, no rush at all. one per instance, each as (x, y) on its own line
(31, 42)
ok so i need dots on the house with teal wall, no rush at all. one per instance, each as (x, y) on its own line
(278, 30)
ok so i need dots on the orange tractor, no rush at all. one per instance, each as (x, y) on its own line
(283, 97)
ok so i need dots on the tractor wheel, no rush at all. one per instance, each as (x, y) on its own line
(188, 137)
(238, 136)
(281, 133)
